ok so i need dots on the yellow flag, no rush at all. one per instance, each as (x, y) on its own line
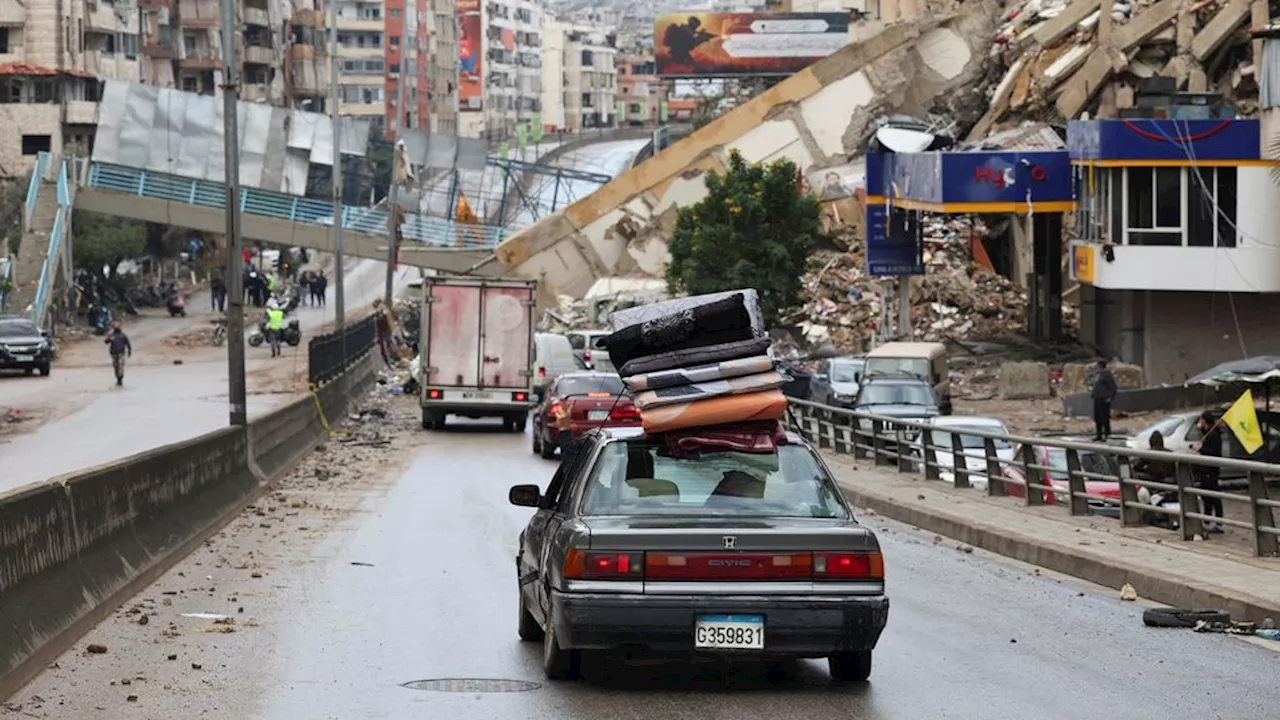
(1243, 421)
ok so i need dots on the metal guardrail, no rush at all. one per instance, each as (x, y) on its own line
(911, 448)
(330, 354)
(425, 229)
(61, 219)
(33, 188)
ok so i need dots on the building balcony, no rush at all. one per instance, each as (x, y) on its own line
(198, 21)
(201, 61)
(154, 48)
(365, 25)
(81, 112)
(259, 55)
(362, 109)
(155, 4)
(12, 14)
(255, 92)
(1194, 269)
(256, 16)
(360, 52)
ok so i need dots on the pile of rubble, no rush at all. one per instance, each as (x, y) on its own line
(1057, 59)
(957, 298)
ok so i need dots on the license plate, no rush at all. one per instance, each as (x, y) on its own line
(729, 632)
(476, 395)
(597, 414)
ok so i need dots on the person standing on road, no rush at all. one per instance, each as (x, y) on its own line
(322, 286)
(119, 346)
(1104, 391)
(1209, 445)
(218, 293)
(275, 326)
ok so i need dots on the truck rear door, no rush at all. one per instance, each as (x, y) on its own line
(453, 342)
(505, 341)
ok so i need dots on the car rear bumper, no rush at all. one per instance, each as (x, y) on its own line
(797, 626)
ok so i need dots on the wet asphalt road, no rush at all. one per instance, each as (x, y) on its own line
(969, 636)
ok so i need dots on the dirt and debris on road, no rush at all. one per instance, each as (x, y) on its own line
(191, 631)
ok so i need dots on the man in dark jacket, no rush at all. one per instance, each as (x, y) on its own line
(1104, 391)
(218, 293)
(118, 344)
(1206, 477)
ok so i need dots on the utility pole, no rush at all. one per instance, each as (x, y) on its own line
(904, 307)
(235, 271)
(393, 193)
(339, 269)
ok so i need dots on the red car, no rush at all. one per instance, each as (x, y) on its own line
(1054, 462)
(592, 399)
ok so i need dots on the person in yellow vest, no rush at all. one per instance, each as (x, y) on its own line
(275, 324)
(271, 284)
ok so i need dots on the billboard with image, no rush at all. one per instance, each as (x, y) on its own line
(470, 56)
(745, 44)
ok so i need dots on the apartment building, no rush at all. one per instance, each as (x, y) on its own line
(579, 78)
(501, 86)
(51, 59)
(642, 95)
(438, 38)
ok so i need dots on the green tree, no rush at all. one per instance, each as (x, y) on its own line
(105, 240)
(13, 198)
(754, 229)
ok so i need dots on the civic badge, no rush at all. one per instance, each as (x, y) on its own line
(730, 542)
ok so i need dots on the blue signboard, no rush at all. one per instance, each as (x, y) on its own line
(894, 245)
(966, 181)
(1168, 140)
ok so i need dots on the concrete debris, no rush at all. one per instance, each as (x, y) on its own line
(957, 298)
(1127, 593)
(1054, 60)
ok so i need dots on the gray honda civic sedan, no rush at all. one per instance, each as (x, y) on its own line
(641, 549)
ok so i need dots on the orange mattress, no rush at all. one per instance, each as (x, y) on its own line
(766, 405)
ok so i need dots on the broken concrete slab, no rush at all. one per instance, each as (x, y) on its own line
(1226, 22)
(1087, 82)
(1067, 64)
(1024, 380)
(1145, 25)
(1054, 30)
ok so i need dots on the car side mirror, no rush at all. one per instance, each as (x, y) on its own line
(524, 496)
(44, 333)
(821, 376)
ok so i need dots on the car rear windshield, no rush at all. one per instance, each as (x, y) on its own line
(1090, 462)
(640, 478)
(846, 372)
(942, 438)
(611, 384)
(18, 329)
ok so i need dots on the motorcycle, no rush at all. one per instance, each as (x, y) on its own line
(176, 304)
(291, 335)
(100, 318)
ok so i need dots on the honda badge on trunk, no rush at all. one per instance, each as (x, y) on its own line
(729, 542)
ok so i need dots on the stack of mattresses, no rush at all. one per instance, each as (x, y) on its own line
(697, 361)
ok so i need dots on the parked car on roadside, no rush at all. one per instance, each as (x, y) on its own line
(23, 346)
(836, 381)
(639, 549)
(593, 399)
(1180, 433)
(1053, 472)
(975, 454)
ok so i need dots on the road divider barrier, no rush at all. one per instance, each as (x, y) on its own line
(1105, 486)
(330, 354)
(75, 547)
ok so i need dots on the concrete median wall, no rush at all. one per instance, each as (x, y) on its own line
(74, 548)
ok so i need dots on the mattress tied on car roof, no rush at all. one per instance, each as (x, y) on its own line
(701, 362)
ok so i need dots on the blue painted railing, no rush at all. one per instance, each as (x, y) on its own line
(265, 203)
(50, 265)
(33, 187)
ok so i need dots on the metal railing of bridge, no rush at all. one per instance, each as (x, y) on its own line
(61, 221)
(425, 229)
(910, 446)
(33, 188)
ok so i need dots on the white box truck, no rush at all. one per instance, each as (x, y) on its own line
(476, 346)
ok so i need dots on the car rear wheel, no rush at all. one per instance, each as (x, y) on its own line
(547, 450)
(558, 663)
(851, 666)
(521, 423)
(529, 628)
(537, 440)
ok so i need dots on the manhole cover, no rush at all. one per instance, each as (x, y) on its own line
(472, 685)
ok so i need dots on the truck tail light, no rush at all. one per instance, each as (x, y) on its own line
(848, 566)
(434, 394)
(542, 373)
(583, 565)
(519, 396)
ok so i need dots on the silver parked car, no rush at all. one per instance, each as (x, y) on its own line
(639, 549)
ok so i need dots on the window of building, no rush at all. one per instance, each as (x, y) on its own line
(188, 45)
(4, 40)
(190, 84)
(393, 14)
(394, 40)
(1154, 206)
(374, 13)
(36, 144)
(128, 43)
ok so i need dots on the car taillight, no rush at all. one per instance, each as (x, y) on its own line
(586, 355)
(583, 565)
(519, 396)
(624, 414)
(434, 394)
(848, 566)
(542, 372)
(555, 409)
